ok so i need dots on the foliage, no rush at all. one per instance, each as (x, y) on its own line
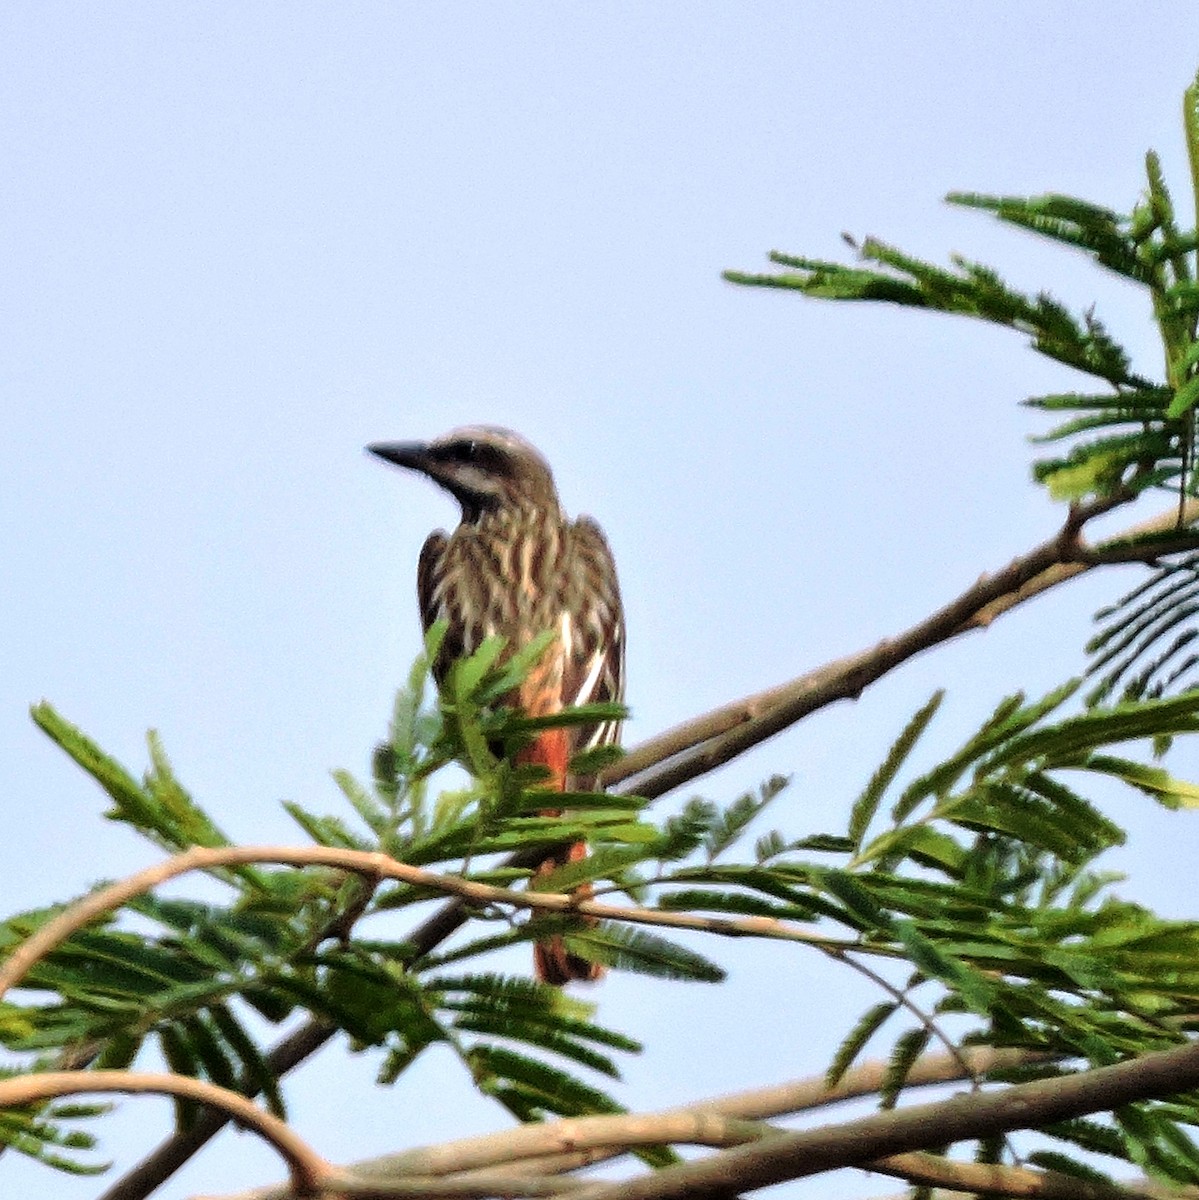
(1145, 637)
(1137, 434)
(979, 877)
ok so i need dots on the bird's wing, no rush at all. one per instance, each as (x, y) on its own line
(593, 631)
(435, 604)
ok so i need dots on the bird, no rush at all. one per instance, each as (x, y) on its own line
(517, 566)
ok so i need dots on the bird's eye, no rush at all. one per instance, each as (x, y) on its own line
(474, 452)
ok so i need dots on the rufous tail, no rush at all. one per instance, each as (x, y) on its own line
(552, 962)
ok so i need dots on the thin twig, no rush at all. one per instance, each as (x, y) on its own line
(373, 865)
(307, 1169)
(994, 1179)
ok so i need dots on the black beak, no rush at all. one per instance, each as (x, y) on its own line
(413, 455)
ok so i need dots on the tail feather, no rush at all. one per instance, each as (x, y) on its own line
(552, 962)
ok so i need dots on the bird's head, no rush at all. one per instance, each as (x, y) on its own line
(483, 467)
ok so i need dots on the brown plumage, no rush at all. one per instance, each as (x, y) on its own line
(517, 566)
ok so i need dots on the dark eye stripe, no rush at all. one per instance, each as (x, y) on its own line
(481, 454)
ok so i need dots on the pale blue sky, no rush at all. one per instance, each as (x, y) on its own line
(241, 241)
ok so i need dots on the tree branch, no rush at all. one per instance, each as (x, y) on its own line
(540, 1151)
(698, 746)
(992, 1179)
(373, 865)
(307, 1169)
(788, 1156)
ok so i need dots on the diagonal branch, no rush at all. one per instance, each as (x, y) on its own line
(787, 1156)
(992, 1179)
(698, 746)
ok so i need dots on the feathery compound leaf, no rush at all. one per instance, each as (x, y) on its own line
(1155, 782)
(179, 816)
(1142, 635)
(1088, 826)
(899, 1066)
(1010, 716)
(1157, 1145)
(324, 830)
(702, 900)
(255, 1069)
(1067, 742)
(1184, 399)
(788, 882)
(975, 291)
(595, 760)
(133, 803)
(1051, 1160)
(865, 1028)
(376, 818)
(1154, 423)
(1016, 812)
(867, 803)
(525, 1001)
(530, 1087)
(862, 908)
(731, 822)
(921, 844)
(1088, 1135)
(40, 1134)
(1071, 221)
(467, 673)
(628, 949)
(927, 956)
(1132, 405)
(501, 678)
(686, 831)
(209, 1050)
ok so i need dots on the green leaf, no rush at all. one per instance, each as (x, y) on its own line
(1156, 782)
(133, 803)
(324, 830)
(510, 673)
(467, 673)
(255, 1069)
(595, 760)
(628, 949)
(931, 960)
(530, 1087)
(1184, 399)
(860, 904)
(867, 803)
(866, 1027)
(710, 900)
(907, 1050)
(730, 823)
(209, 1053)
(1063, 1164)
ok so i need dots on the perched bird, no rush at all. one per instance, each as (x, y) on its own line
(517, 566)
